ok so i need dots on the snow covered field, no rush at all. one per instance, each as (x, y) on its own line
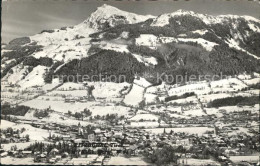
(229, 109)
(239, 109)
(211, 97)
(34, 133)
(148, 40)
(72, 93)
(55, 117)
(19, 72)
(60, 106)
(150, 98)
(19, 161)
(252, 81)
(191, 99)
(191, 161)
(236, 159)
(110, 109)
(144, 124)
(135, 96)
(108, 89)
(101, 89)
(194, 112)
(126, 161)
(142, 82)
(67, 44)
(146, 59)
(204, 43)
(144, 117)
(198, 88)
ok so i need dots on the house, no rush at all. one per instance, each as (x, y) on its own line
(66, 137)
(4, 154)
(41, 158)
(118, 134)
(183, 142)
(26, 153)
(91, 137)
(222, 158)
(54, 152)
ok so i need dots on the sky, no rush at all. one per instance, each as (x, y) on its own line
(27, 17)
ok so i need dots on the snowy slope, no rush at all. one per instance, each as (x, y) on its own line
(73, 42)
(163, 19)
(34, 78)
(204, 43)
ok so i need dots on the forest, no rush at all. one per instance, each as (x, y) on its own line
(237, 100)
(19, 110)
(175, 97)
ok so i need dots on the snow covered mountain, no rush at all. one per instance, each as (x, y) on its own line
(108, 16)
(163, 19)
(115, 42)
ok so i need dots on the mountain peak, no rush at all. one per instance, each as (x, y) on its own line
(105, 6)
(163, 19)
(107, 16)
(184, 11)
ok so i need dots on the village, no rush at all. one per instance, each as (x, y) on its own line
(78, 144)
(103, 124)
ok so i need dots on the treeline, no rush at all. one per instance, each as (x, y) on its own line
(47, 31)
(18, 110)
(48, 76)
(252, 44)
(184, 23)
(111, 65)
(8, 68)
(20, 41)
(61, 146)
(229, 61)
(146, 51)
(80, 115)
(254, 86)
(175, 97)
(174, 60)
(134, 31)
(19, 51)
(18, 54)
(41, 113)
(177, 25)
(237, 100)
(32, 61)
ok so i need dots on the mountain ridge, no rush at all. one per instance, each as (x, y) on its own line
(172, 43)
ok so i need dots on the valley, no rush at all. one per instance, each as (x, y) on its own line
(121, 87)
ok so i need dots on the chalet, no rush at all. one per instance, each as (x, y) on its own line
(23, 139)
(4, 154)
(78, 141)
(41, 158)
(183, 142)
(26, 153)
(91, 137)
(66, 137)
(223, 158)
(118, 134)
(54, 152)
